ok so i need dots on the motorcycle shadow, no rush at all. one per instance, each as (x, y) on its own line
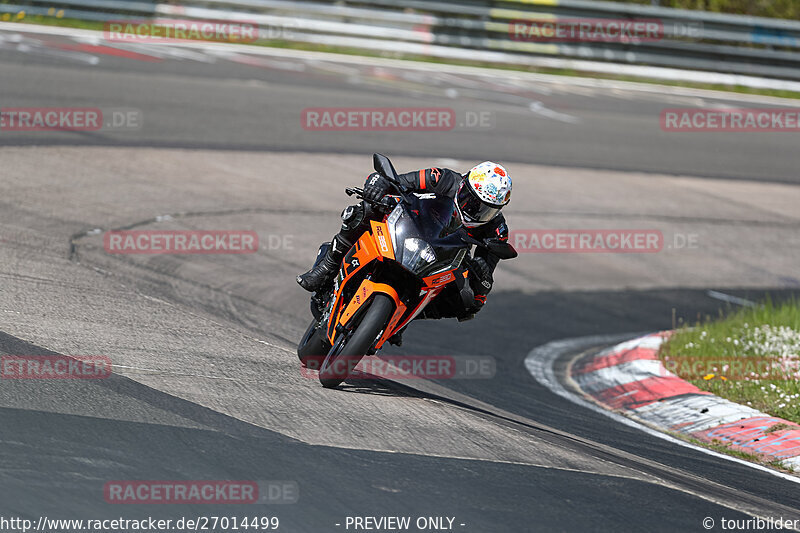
(365, 383)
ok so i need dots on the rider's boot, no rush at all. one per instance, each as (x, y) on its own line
(323, 272)
(355, 221)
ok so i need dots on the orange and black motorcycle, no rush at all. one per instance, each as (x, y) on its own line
(387, 278)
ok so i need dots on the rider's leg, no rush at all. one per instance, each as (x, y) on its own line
(355, 221)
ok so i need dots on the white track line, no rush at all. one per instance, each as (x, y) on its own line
(622, 374)
(730, 299)
(540, 109)
(540, 361)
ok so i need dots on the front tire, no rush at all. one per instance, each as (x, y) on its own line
(337, 366)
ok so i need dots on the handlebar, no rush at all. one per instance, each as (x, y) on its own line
(383, 204)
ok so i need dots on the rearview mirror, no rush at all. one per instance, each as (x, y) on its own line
(382, 164)
(503, 250)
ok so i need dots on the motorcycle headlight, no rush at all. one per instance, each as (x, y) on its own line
(417, 255)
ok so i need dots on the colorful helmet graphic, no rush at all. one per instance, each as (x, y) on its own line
(483, 192)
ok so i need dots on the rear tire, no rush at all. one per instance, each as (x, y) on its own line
(337, 366)
(313, 347)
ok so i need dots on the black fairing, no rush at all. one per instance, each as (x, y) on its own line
(431, 219)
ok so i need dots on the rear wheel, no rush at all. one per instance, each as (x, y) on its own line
(346, 355)
(313, 346)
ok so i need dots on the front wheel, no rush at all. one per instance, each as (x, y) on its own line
(346, 355)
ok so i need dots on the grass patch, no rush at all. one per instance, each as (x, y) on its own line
(777, 427)
(88, 25)
(751, 357)
(722, 447)
(68, 23)
(787, 9)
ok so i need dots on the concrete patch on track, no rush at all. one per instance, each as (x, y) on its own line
(741, 222)
(171, 348)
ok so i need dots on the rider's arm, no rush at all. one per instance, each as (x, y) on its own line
(496, 230)
(483, 263)
(437, 180)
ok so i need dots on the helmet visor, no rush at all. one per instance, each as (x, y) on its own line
(474, 210)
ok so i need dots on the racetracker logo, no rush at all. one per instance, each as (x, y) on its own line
(201, 492)
(166, 31)
(378, 119)
(583, 30)
(180, 242)
(577, 241)
(406, 367)
(731, 120)
(68, 119)
(54, 367)
(732, 369)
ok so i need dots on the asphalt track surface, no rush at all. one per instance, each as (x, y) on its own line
(206, 385)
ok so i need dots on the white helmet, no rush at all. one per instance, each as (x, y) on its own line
(483, 192)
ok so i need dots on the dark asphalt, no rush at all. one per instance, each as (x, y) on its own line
(532, 320)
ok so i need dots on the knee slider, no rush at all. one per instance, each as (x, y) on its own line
(352, 217)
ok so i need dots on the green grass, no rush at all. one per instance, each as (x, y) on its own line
(74, 23)
(788, 9)
(751, 357)
(70, 23)
(726, 448)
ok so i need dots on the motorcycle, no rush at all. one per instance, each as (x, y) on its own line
(388, 277)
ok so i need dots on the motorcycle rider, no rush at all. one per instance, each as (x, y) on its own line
(479, 196)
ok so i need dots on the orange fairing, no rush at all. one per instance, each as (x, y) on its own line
(399, 311)
(380, 232)
(362, 295)
(357, 258)
(365, 251)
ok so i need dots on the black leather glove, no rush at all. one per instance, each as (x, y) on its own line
(376, 187)
(480, 281)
